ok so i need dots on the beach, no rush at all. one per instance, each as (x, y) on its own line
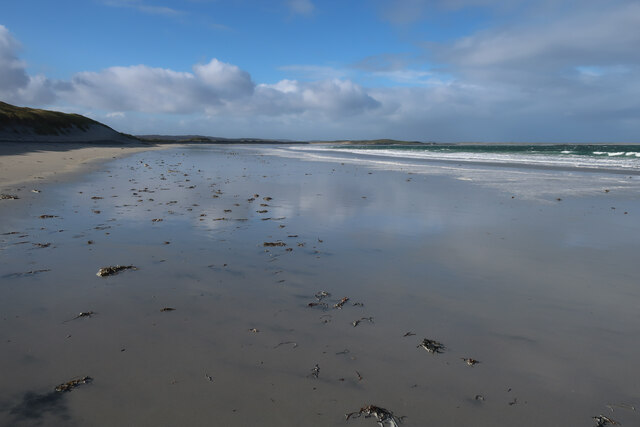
(23, 162)
(294, 286)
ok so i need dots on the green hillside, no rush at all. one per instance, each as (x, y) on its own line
(42, 122)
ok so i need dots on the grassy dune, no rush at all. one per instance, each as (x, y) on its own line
(22, 120)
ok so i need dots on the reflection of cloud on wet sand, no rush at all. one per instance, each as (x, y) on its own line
(34, 407)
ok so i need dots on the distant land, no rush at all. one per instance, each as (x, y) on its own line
(23, 124)
(195, 139)
(189, 139)
(373, 142)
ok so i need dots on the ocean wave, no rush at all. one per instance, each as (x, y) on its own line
(617, 153)
(614, 160)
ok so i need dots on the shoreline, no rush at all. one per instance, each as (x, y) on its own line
(23, 163)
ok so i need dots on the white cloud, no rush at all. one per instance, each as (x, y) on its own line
(314, 72)
(412, 77)
(13, 70)
(301, 7)
(404, 12)
(593, 36)
(16, 85)
(334, 98)
(158, 90)
(385, 62)
(144, 7)
(215, 88)
(136, 88)
(226, 79)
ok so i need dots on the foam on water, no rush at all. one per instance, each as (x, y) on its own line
(571, 157)
(531, 175)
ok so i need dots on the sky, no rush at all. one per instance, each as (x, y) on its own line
(426, 70)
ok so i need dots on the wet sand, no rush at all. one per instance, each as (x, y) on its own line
(544, 293)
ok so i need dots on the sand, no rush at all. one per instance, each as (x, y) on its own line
(32, 162)
(542, 292)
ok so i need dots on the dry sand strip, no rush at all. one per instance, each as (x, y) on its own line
(24, 162)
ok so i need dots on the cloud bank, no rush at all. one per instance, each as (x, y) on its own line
(574, 78)
(158, 90)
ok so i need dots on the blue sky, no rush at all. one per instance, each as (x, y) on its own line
(444, 70)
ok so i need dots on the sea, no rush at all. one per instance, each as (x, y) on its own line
(533, 171)
(610, 157)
